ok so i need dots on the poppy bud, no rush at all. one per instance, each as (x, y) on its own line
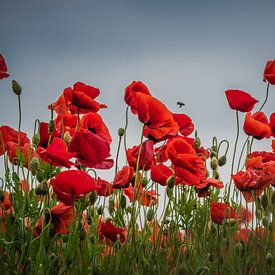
(99, 210)
(41, 189)
(150, 215)
(214, 148)
(144, 182)
(171, 182)
(197, 142)
(34, 165)
(222, 160)
(273, 197)
(121, 132)
(216, 175)
(93, 197)
(51, 126)
(264, 201)
(67, 137)
(269, 258)
(16, 87)
(214, 163)
(36, 139)
(123, 202)
(40, 175)
(265, 221)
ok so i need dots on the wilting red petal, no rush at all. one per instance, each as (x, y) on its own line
(91, 91)
(221, 211)
(269, 72)
(240, 100)
(105, 188)
(3, 67)
(257, 125)
(108, 230)
(186, 126)
(160, 173)
(123, 177)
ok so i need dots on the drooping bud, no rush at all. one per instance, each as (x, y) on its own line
(214, 163)
(197, 142)
(222, 160)
(93, 197)
(150, 215)
(16, 87)
(36, 139)
(121, 132)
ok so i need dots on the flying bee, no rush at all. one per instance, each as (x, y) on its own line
(180, 104)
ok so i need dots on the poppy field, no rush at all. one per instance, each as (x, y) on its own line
(166, 210)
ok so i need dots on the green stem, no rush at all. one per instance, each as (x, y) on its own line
(20, 118)
(266, 97)
(117, 153)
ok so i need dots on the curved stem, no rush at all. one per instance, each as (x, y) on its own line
(240, 157)
(266, 97)
(125, 128)
(117, 154)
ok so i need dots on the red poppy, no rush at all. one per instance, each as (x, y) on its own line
(105, 188)
(161, 173)
(60, 217)
(107, 230)
(72, 185)
(204, 185)
(272, 124)
(161, 154)
(3, 67)
(123, 177)
(57, 154)
(79, 99)
(266, 156)
(222, 211)
(92, 150)
(9, 134)
(257, 125)
(94, 123)
(273, 145)
(186, 126)
(65, 123)
(146, 155)
(44, 134)
(269, 72)
(131, 91)
(240, 100)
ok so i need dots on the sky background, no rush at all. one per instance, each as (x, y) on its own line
(190, 51)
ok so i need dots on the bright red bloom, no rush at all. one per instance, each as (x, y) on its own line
(79, 99)
(123, 177)
(257, 125)
(131, 91)
(95, 124)
(92, 150)
(161, 154)
(72, 185)
(240, 100)
(146, 155)
(66, 122)
(272, 124)
(222, 211)
(108, 230)
(44, 134)
(60, 217)
(204, 185)
(105, 188)
(3, 67)
(269, 72)
(186, 126)
(161, 173)
(9, 134)
(57, 154)
(273, 145)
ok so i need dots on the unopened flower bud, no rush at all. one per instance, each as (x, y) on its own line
(121, 132)
(51, 126)
(214, 163)
(93, 197)
(67, 138)
(16, 87)
(144, 182)
(169, 192)
(40, 175)
(264, 201)
(41, 189)
(36, 139)
(269, 258)
(216, 175)
(34, 165)
(222, 160)
(197, 142)
(150, 215)
(123, 202)
(171, 182)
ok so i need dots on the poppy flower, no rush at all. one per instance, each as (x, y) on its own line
(240, 100)
(60, 217)
(146, 155)
(131, 91)
(11, 135)
(44, 134)
(161, 173)
(94, 123)
(272, 124)
(57, 154)
(269, 72)
(72, 185)
(123, 177)
(204, 185)
(257, 125)
(92, 150)
(65, 123)
(3, 67)
(105, 188)
(273, 145)
(222, 211)
(107, 230)
(186, 126)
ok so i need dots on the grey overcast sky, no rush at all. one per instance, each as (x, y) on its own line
(190, 51)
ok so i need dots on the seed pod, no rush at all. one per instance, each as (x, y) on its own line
(222, 160)
(121, 132)
(123, 202)
(40, 175)
(92, 197)
(264, 201)
(214, 163)
(17, 89)
(36, 139)
(150, 215)
(197, 142)
(171, 182)
(34, 165)
(269, 258)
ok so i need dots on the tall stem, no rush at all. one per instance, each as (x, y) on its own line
(20, 117)
(266, 97)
